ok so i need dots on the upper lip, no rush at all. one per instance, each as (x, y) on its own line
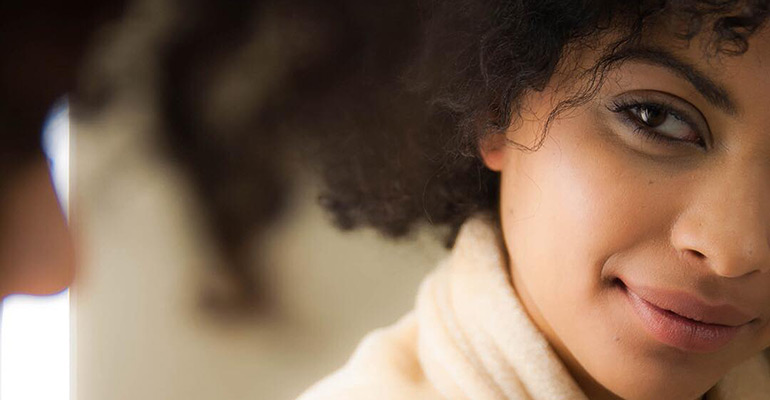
(690, 306)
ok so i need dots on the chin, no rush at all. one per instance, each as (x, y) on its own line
(657, 384)
(623, 358)
(650, 371)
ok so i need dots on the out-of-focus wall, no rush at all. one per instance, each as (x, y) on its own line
(138, 332)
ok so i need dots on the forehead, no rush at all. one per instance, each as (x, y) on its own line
(743, 78)
(712, 51)
(728, 80)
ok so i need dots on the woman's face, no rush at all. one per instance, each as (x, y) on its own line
(639, 233)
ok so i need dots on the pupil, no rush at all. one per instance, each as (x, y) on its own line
(652, 116)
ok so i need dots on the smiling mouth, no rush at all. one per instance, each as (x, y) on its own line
(679, 331)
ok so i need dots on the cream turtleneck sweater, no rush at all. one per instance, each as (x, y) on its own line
(469, 337)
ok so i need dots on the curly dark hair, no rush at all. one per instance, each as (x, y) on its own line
(390, 98)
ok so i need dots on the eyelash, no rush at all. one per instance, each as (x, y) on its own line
(624, 106)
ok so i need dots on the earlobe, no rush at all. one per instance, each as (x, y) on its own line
(492, 149)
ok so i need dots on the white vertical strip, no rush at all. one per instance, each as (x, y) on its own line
(35, 331)
(35, 343)
(56, 143)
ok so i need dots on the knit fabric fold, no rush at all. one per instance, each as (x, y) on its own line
(475, 338)
(470, 338)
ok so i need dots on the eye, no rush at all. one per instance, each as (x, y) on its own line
(660, 121)
(663, 122)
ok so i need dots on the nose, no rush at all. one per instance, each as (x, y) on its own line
(726, 225)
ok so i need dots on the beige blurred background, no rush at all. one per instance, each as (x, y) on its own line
(138, 332)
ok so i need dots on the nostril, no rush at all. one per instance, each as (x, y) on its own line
(695, 254)
(698, 254)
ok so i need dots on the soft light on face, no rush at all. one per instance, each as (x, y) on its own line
(639, 233)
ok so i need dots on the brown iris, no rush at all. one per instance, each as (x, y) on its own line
(651, 116)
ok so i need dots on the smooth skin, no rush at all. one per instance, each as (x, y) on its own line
(686, 210)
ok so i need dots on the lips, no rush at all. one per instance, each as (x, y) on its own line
(683, 321)
(691, 307)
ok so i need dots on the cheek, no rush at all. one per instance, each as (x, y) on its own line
(570, 206)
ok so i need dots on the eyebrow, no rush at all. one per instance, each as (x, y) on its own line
(712, 91)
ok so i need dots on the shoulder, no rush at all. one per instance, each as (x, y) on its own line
(384, 366)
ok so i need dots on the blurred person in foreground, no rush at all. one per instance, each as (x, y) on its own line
(42, 44)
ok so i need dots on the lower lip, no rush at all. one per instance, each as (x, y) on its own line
(680, 332)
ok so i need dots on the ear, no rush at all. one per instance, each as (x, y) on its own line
(492, 147)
